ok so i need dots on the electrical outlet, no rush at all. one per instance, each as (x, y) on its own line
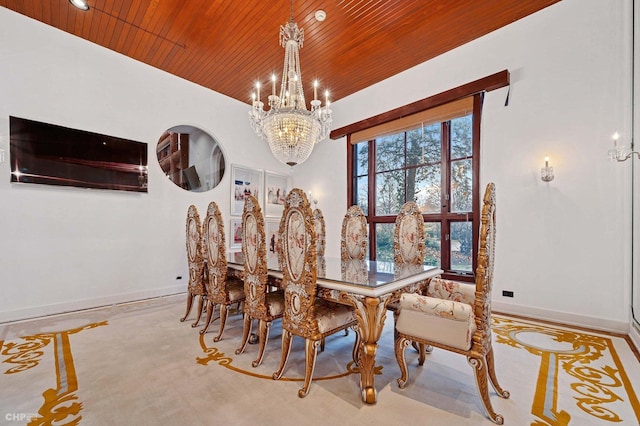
(179, 277)
(507, 293)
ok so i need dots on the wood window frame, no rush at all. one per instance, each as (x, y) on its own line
(476, 89)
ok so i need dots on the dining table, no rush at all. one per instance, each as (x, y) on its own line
(367, 286)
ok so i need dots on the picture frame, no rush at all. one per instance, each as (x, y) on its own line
(235, 234)
(272, 234)
(276, 188)
(244, 180)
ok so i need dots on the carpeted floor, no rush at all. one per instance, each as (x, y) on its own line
(136, 364)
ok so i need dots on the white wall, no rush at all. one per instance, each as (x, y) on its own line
(68, 248)
(563, 246)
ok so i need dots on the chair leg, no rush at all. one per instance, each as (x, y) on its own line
(224, 310)
(311, 351)
(264, 338)
(492, 376)
(479, 366)
(286, 350)
(401, 344)
(246, 332)
(200, 304)
(190, 297)
(210, 308)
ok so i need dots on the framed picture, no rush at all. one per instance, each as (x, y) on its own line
(244, 180)
(276, 188)
(235, 234)
(272, 234)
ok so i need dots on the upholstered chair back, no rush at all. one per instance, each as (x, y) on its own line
(299, 273)
(255, 258)
(194, 251)
(408, 236)
(318, 223)
(216, 253)
(353, 244)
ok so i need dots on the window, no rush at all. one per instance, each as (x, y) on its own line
(434, 163)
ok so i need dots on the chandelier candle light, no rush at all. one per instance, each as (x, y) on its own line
(288, 126)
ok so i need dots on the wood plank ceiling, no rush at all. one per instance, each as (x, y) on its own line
(228, 45)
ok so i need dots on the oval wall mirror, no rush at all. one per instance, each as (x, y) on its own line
(191, 158)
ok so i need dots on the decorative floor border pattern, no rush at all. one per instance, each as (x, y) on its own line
(214, 354)
(590, 362)
(59, 403)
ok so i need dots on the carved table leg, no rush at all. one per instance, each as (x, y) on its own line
(371, 313)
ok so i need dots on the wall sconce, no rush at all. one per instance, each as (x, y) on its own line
(546, 173)
(618, 151)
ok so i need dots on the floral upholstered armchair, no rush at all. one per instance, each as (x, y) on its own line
(457, 316)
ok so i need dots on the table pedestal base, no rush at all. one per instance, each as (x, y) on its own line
(371, 313)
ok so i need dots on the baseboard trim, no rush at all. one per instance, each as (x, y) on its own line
(567, 318)
(78, 305)
(634, 335)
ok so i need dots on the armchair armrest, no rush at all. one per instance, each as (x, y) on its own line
(448, 309)
(452, 290)
(444, 322)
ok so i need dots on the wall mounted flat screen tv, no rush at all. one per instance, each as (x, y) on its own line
(55, 155)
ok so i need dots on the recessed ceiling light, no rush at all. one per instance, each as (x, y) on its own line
(321, 15)
(80, 4)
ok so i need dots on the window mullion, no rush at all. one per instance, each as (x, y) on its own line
(445, 243)
(371, 214)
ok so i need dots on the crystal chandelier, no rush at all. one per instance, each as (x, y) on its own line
(288, 126)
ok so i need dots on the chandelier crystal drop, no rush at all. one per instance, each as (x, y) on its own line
(290, 129)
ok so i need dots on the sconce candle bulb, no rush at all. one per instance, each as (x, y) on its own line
(546, 173)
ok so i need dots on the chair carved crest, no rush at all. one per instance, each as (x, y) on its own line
(319, 226)
(408, 235)
(353, 245)
(195, 261)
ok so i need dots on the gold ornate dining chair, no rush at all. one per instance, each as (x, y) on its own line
(260, 304)
(457, 316)
(195, 259)
(318, 223)
(408, 236)
(408, 249)
(353, 244)
(305, 315)
(222, 290)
